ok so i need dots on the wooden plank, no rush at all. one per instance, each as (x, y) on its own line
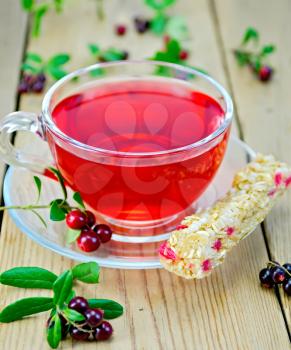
(12, 40)
(224, 311)
(264, 109)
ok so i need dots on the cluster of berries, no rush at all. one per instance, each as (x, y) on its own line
(93, 325)
(141, 25)
(275, 274)
(32, 83)
(91, 234)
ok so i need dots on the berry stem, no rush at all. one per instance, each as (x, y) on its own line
(31, 207)
(25, 207)
(79, 326)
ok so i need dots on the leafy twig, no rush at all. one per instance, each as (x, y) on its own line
(62, 316)
(172, 54)
(254, 58)
(38, 10)
(35, 64)
(175, 26)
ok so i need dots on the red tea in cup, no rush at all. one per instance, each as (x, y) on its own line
(143, 132)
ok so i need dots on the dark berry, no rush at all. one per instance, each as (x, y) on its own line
(183, 55)
(88, 240)
(120, 29)
(29, 79)
(76, 219)
(37, 86)
(141, 24)
(287, 266)
(287, 286)
(266, 278)
(23, 87)
(94, 317)
(78, 334)
(265, 73)
(41, 77)
(79, 304)
(90, 218)
(278, 274)
(104, 232)
(125, 55)
(103, 332)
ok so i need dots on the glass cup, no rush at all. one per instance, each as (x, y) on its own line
(141, 194)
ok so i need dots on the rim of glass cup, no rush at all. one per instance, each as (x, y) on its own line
(228, 115)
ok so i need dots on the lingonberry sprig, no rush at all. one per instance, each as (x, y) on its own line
(175, 26)
(172, 53)
(35, 70)
(105, 55)
(69, 314)
(38, 9)
(81, 223)
(275, 274)
(255, 58)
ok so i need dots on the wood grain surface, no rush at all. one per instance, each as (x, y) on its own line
(12, 42)
(228, 310)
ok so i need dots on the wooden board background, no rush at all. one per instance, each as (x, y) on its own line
(228, 310)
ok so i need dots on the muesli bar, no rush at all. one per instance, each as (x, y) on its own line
(202, 240)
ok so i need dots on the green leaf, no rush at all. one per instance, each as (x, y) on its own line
(176, 28)
(242, 57)
(111, 308)
(54, 331)
(62, 287)
(25, 307)
(70, 296)
(173, 48)
(170, 55)
(56, 72)
(59, 5)
(87, 272)
(267, 50)
(77, 198)
(61, 180)
(28, 277)
(59, 59)
(94, 49)
(37, 182)
(251, 34)
(42, 220)
(97, 72)
(159, 5)
(72, 315)
(26, 67)
(33, 57)
(162, 56)
(57, 213)
(158, 23)
(27, 4)
(163, 71)
(112, 54)
(39, 12)
(256, 64)
(72, 235)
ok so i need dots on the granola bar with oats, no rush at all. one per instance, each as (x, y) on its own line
(202, 240)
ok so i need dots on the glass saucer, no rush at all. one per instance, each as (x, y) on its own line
(123, 252)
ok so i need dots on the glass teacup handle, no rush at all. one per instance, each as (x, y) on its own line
(20, 121)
